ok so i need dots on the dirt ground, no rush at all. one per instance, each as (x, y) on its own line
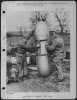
(36, 83)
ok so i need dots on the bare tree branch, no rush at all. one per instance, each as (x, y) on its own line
(62, 19)
(20, 30)
(38, 16)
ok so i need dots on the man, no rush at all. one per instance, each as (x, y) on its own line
(21, 59)
(22, 47)
(56, 48)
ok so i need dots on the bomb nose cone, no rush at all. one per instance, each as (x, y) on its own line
(41, 31)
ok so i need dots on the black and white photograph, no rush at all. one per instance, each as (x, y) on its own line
(38, 43)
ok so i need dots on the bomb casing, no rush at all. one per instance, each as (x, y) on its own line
(41, 33)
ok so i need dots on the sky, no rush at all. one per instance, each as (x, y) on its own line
(18, 14)
(16, 19)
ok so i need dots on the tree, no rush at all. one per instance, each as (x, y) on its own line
(62, 18)
(20, 31)
(38, 16)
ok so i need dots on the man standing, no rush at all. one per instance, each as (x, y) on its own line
(22, 47)
(21, 58)
(57, 50)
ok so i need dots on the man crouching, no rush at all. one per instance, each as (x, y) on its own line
(20, 70)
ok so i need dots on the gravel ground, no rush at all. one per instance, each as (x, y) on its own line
(36, 83)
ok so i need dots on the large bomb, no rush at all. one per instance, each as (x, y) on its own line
(41, 33)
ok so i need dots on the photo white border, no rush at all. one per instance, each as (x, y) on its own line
(20, 5)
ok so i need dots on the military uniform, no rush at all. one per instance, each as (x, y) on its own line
(57, 50)
(21, 59)
(23, 46)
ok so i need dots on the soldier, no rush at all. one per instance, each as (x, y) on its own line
(22, 47)
(21, 59)
(56, 47)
